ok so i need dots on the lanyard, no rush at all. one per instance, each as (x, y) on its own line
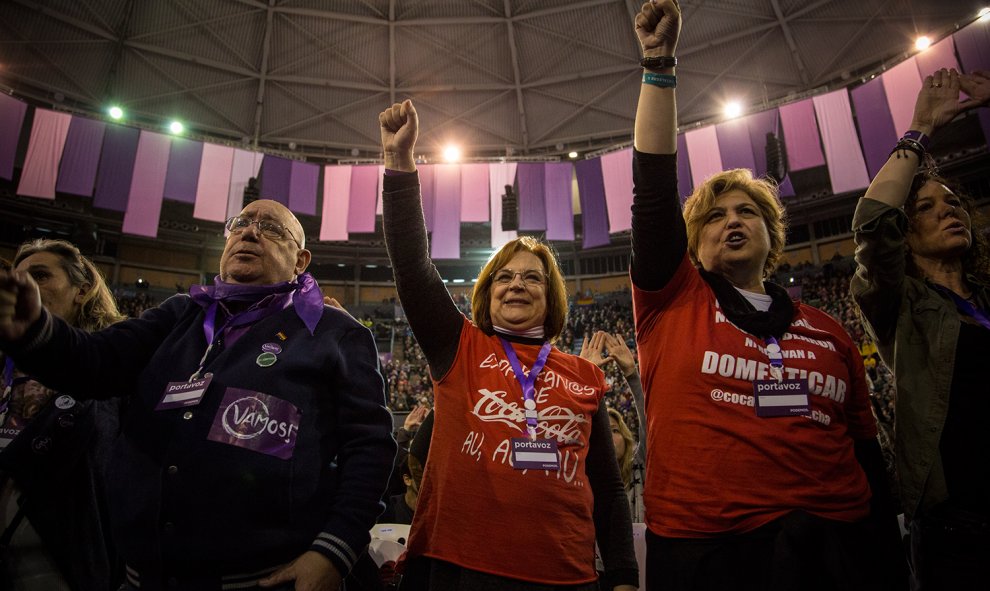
(527, 381)
(776, 358)
(210, 328)
(967, 308)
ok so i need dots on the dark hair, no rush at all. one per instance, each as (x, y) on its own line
(976, 260)
(98, 308)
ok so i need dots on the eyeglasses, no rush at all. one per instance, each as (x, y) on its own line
(531, 277)
(269, 229)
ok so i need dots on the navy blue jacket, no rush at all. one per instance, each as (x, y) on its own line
(186, 507)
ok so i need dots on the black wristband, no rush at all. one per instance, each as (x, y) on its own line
(658, 62)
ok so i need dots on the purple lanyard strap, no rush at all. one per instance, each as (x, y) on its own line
(776, 358)
(966, 307)
(528, 381)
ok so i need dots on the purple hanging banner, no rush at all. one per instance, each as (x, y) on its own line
(474, 193)
(876, 127)
(445, 242)
(144, 203)
(12, 113)
(684, 184)
(213, 186)
(846, 167)
(594, 213)
(303, 184)
(246, 165)
(705, 159)
(617, 178)
(973, 44)
(182, 178)
(734, 144)
(940, 55)
(500, 174)
(901, 85)
(336, 202)
(427, 189)
(113, 179)
(48, 133)
(276, 174)
(760, 124)
(532, 196)
(804, 149)
(559, 204)
(361, 212)
(81, 157)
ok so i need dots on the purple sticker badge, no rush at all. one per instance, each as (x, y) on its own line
(256, 421)
(272, 348)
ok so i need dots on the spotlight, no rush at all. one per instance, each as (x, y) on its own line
(984, 14)
(451, 154)
(922, 43)
(733, 109)
(176, 127)
(116, 113)
(572, 155)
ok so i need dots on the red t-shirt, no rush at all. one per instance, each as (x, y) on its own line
(712, 465)
(475, 510)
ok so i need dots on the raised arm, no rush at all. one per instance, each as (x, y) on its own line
(938, 103)
(879, 223)
(659, 238)
(432, 315)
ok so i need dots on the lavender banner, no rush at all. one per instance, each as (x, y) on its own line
(594, 212)
(734, 144)
(81, 157)
(276, 174)
(363, 199)
(303, 183)
(336, 202)
(973, 45)
(144, 202)
(846, 167)
(500, 174)
(445, 242)
(560, 211)
(184, 161)
(532, 203)
(618, 181)
(48, 133)
(804, 146)
(113, 179)
(12, 113)
(760, 124)
(876, 127)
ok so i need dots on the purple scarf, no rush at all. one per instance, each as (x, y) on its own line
(307, 298)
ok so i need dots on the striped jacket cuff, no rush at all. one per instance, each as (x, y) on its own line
(337, 550)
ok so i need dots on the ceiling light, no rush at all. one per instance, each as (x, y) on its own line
(572, 155)
(451, 154)
(984, 14)
(176, 127)
(116, 113)
(733, 109)
(922, 43)
(458, 281)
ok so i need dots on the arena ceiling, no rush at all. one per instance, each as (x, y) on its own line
(518, 78)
